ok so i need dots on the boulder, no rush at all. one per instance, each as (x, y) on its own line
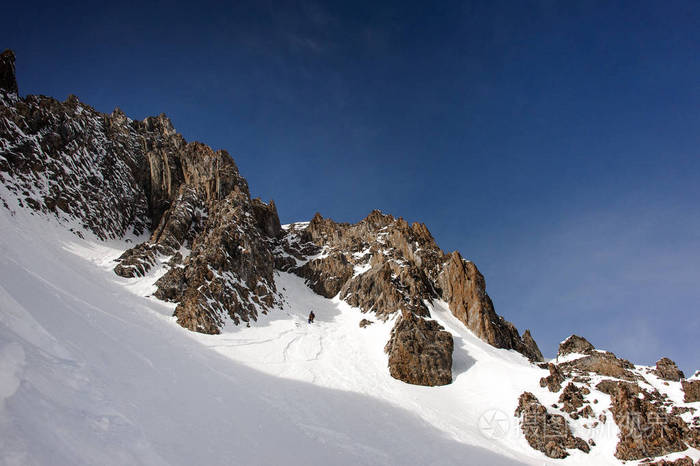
(420, 351)
(365, 323)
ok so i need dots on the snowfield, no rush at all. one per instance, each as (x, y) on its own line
(95, 371)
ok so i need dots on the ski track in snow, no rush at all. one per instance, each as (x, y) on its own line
(94, 371)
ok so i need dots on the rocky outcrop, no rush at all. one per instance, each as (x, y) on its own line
(327, 275)
(84, 167)
(646, 430)
(554, 380)
(610, 387)
(115, 176)
(666, 369)
(387, 288)
(8, 82)
(649, 423)
(575, 344)
(183, 222)
(384, 265)
(530, 348)
(420, 351)
(601, 363)
(691, 389)
(546, 432)
(571, 398)
(266, 218)
(229, 271)
(464, 289)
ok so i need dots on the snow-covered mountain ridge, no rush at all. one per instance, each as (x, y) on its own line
(224, 267)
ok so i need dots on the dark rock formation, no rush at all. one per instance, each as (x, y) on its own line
(602, 363)
(115, 176)
(646, 430)
(575, 344)
(384, 265)
(464, 289)
(365, 323)
(420, 351)
(548, 433)
(229, 271)
(610, 387)
(691, 388)
(666, 369)
(530, 348)
(554, 380)
(66, 159)
(571, 398)
(586, 411)
(8, 82)
(327, 275)
(183, 222)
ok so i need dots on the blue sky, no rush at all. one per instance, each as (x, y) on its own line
(556, 144)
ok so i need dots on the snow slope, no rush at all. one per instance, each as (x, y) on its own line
(93, 373)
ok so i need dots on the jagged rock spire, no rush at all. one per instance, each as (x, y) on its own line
(8, 82)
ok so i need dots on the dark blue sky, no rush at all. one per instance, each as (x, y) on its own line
(556, 144)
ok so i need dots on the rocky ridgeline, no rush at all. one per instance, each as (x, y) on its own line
(385, 266)
(116, 177)
(643, 402)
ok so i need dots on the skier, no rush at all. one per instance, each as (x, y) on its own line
(312, 316)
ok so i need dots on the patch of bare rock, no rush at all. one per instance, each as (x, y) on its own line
(691, 389)
(575, 344)
(554, 380)
(546, 432)
(667, 370)
(646, 429)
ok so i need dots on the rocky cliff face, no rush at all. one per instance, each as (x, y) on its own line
(117, 177)
(385, 266)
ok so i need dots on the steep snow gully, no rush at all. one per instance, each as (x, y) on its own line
(94, 372)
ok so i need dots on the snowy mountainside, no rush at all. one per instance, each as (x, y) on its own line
(97, 368)
(149, 304)
(93, 372)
